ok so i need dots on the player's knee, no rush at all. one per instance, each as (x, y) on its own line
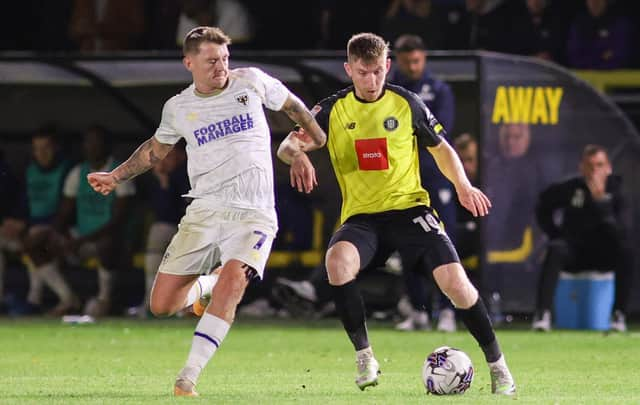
(341, 267)
(462, 294)
(161, 308)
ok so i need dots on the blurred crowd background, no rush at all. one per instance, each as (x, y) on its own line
(570, 32)
(58, 124)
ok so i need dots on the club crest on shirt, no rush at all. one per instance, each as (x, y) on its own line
(242, 98)
(390, 123)
(192, 116)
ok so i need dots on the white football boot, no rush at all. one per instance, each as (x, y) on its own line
(368, 370)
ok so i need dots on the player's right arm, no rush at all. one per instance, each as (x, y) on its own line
(144, 158)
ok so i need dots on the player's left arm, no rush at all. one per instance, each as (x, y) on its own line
(431, 135)
(450, 165)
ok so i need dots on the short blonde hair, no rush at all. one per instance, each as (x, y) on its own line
(367, 46)
(198, 35)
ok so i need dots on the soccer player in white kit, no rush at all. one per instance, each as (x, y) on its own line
(232, 218)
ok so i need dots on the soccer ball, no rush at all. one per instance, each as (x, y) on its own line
(447, 371)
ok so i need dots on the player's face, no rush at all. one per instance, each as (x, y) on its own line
(412, 63)
(43, 151)
(368, 78)
(209, 67)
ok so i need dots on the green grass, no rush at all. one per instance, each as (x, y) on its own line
(135, 362)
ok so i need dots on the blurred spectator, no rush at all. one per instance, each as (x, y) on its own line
(107, 25)
(467, 230)
(600, 38)
(582, 217)
(44, 183)
(500, 26)
(411, 73)
(98, 219)
(418, 17)
(551, 30)
(230, 15)
(338, 20)
(513, 176)
(170, 182)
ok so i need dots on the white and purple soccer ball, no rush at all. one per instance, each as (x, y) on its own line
(447, 371)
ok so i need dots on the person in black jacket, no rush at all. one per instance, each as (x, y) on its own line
(589, 233)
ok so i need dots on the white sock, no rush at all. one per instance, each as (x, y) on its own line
(209, 334)
(34, 296)
(51, 276)
(201, 288)
(104, 284)
(501, 363)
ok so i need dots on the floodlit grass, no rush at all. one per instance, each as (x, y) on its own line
(272, 362)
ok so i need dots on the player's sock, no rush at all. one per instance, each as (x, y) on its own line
(201, 288)
(350, 307)
(209, 334)
(34, 296)
(104, 284)
(51, 276)
(476, 319)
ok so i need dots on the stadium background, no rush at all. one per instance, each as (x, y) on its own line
(125, 91)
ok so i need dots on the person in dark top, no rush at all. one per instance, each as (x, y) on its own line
(467, 230)
(590, 234)
(411, 73)
(600, 38)
(551, 30)
(500, 26)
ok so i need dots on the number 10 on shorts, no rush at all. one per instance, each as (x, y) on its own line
(428, 223)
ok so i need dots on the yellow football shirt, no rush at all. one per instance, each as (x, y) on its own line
(374, 148)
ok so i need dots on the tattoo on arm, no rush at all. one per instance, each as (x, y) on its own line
(298, 112)
(139, 162)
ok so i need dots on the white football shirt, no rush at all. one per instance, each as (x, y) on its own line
(228, 139)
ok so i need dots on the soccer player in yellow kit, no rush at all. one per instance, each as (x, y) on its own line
(374, 131)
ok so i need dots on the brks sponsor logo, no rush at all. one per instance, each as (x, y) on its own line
(372, 154)
(390, 123)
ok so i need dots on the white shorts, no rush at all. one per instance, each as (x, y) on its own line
(207, 236)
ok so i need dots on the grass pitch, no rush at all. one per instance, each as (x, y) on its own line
(273, 362)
